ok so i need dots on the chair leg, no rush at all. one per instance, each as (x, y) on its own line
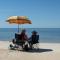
(31, 46)
(37, 46)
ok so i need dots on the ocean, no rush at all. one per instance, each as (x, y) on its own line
(46, 35)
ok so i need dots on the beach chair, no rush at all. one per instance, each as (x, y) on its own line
(17, 43)
(34, 42)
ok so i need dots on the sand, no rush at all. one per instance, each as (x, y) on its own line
(47, 51)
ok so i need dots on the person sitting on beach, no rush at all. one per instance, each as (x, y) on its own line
(23, 36)
(33, 39)
(20, 39)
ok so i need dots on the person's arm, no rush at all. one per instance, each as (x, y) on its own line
(38, 38)
(30, 38)
(26, 37)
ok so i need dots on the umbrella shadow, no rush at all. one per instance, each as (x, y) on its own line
(41, 50)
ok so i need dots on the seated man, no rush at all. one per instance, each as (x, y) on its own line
(33, 39)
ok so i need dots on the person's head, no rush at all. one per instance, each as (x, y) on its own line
(23, 31)
(34, 32)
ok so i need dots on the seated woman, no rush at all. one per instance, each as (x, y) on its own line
(33, 39)
(20, 39)
(23, 37)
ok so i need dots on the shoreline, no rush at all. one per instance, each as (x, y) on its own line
(39, 42)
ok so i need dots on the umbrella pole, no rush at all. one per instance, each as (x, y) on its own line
(18, 28)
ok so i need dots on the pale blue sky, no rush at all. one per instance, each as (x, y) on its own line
(42, 13)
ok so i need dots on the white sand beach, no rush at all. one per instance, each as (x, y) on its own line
(47, 51)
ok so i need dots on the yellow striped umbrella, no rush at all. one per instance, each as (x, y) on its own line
(18, 20)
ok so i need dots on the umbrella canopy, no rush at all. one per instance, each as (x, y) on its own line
(18, 20)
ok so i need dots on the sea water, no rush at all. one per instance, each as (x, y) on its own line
(46, 35)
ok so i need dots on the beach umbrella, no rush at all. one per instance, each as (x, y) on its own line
(18, 20)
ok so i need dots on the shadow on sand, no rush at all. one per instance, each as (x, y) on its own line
(41, 50)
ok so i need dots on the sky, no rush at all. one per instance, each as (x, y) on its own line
(42, 13)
